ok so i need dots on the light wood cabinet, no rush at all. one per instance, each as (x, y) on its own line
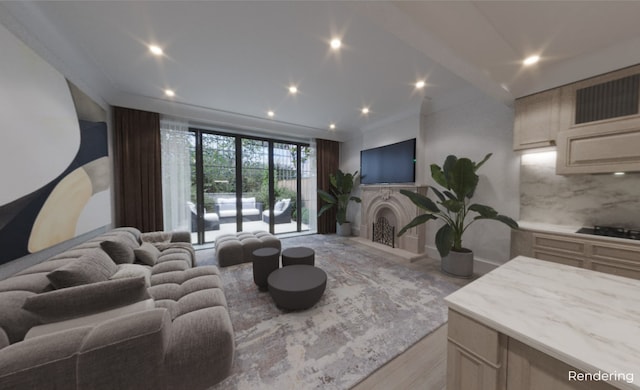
(530, 369)
(481, 358)
(475, 355)
(537, 120)
(598, 254)
(600, 124)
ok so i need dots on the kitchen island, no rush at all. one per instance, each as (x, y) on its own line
(533, 324)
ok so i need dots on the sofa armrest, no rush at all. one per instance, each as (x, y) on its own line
(259, 206)
(126, 352)
(199, 359)
(46, 362)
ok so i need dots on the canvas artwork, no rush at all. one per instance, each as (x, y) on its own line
(56, 172)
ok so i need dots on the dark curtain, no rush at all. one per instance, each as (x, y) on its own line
(328, 153)
(138, 180)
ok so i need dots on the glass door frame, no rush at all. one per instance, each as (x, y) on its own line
(199, 168)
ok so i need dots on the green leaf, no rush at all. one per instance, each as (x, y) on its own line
(327, 197)
(447, 168)
(419, 220)
(421, 201)
(438, 193)
(478, 165)
(453, 205)
(444, 240)
(355, 199)
(324, 208)
(463, 179)
(450, 195)
(438, 175)
(484, 211)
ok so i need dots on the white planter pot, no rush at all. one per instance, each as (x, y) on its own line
(343, 230)
(458, 264)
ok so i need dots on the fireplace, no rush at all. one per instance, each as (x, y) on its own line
(386, 201)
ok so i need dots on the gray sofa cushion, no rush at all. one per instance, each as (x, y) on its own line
(14, 320)
(94, 266)
(147, 253)
(42, 362)
(83, 300)
(4, 339)
(133, 271)
(128, 352)
(120, 250)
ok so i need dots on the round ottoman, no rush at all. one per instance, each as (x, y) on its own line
(298, 255)
(297, 287)
(265, 261)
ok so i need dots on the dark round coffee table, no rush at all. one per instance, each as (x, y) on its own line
(297, 286)
(298, 255)
(265, 261)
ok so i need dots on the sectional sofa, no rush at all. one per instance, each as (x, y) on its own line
(124, 310)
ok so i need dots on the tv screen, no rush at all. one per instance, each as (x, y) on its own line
(395, 163)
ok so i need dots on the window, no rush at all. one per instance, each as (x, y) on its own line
(229, 183)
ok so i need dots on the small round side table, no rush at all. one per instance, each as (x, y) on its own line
(298, 255)
(265, 261)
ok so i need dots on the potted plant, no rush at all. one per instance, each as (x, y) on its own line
(339, 197)
(458, 177)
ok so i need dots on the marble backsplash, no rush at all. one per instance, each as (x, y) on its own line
(576, 200)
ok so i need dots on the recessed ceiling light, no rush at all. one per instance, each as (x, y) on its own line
(335, 43)
(365, 110)
(332, 126)
(156, 50)
(531, 60)
(618, 173)
(271, 114)
(420, 84)
(293, 89)
(169, 92)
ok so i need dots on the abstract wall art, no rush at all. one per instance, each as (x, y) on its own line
(55, 171)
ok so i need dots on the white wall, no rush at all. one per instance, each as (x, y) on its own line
(385, 134)
(472, 127)
(467, 124)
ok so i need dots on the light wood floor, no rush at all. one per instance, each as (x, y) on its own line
(423, 366)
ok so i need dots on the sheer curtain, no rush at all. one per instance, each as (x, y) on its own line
(176, 145)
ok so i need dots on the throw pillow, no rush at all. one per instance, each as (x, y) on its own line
(133, 271)
(147, 254)
(84, 300)
(119, 250)
(92, 267)
(278, 206)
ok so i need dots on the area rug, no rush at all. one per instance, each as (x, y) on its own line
(375, 307)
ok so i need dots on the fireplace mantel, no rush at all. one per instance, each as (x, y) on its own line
(378, 199)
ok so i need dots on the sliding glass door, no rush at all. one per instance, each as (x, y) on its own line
(237, 183)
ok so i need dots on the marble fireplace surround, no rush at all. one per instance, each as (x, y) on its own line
(386, 200)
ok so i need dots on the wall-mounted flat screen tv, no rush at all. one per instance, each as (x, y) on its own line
(395, 163)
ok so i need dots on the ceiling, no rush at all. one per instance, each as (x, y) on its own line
(232, 62)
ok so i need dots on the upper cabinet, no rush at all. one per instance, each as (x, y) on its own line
(600, 124)
(537, 120)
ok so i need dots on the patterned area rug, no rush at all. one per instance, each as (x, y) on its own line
(375, 307)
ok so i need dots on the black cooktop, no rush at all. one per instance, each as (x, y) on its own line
(611, 231)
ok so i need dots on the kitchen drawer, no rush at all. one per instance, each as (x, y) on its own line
(559, 258)
(621, 268)
(475, 337)
(563, 244)
(616, 252)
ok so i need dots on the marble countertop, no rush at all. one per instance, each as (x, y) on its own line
(570, 230)
(589, 320)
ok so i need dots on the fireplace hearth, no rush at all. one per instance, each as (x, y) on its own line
(384, 232)
(386, 201)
